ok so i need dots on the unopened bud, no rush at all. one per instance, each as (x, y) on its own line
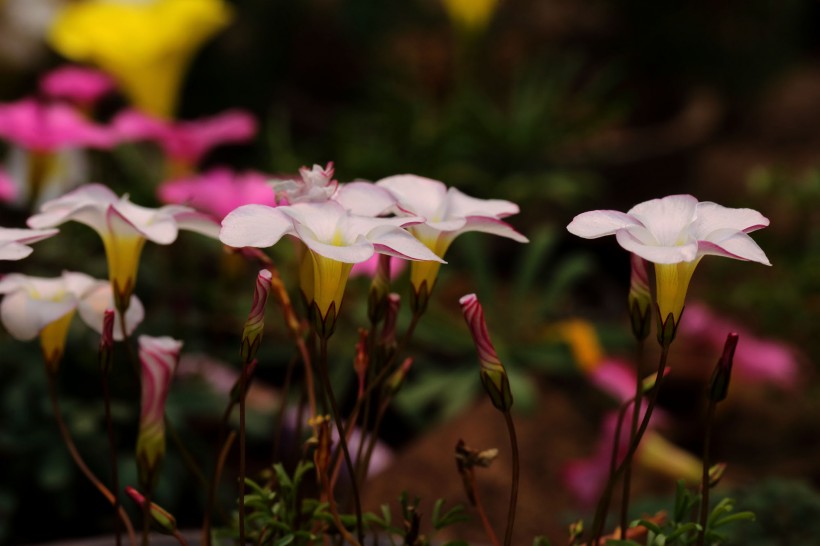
(252, 332)
(716, 472)
(640, 297)
(164, 520)
(396, 379)
(719, 387)
(493, 375)
(361, 361)
(106, 352)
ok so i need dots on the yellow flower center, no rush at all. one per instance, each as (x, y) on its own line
(672, 282)
(123, 255)
(52, 341)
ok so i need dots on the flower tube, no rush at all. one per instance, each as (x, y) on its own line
(123, 226)
(448, 213)
(158, 357)
(675, 233)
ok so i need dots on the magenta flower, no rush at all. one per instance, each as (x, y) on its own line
(159, 357)
(78, 84)
(218, 191)
(370, 267)
(757, 360)
(8, 189)
(44, 127)
(615, 377)
(187, 142)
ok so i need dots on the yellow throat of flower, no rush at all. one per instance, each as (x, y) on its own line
(123, 255)
(672, 282)
(470, 14)
(329, 281)
(52, 341)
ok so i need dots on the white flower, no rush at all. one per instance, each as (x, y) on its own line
(448, 213)
(674, 233)
(14, 242)
(123, 226)
(335, 239)
(313, 185)
(44, 307)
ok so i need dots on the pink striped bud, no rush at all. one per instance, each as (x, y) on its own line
(719, 385)
(493, 375)
(107, 341)
(159, 357)
(640, 297)
(252, 333)
(165, 522)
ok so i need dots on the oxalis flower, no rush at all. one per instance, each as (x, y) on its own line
(123, 226)
(334, 239)
(158, 357)
(448, 213)
(44, 307)
(146, 46)
(674, 233)
(14, 242)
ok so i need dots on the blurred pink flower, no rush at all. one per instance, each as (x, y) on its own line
(615, 377)
(78, 84)
(368, 268)
(218, 191)
(757, 360)
(187, 142)
(45, 127)
(8, 189)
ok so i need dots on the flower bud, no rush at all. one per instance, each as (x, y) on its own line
(252, 332)
(107, 341)
(640, 297)
(159, 357)
(379, 288)
(361, 362)
(493, 375)
(719, 386)
(164, 520)
(396, 379)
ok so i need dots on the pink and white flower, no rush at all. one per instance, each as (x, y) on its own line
(123, 226)
(335, 240)
(14, 242)
(44, 307)
(159, 357)
(313, 185)
(448, 213)
(218, 191)
(674, 233)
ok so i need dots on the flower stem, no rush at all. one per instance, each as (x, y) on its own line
(112, 447)
(603, 504)
(220, 464)
(704, 486)
(515, 474)
(479, 506)
(636, 411)
(78, 460)
(340, 428)
(242, 379)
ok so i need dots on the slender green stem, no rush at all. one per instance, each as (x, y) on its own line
(146, 517)
(280, 417)
(78, 460)
(220, 464)
(340, 428)
(603, 503)
(636, 411)
(112, 448)
(515, 474)
(704, 493)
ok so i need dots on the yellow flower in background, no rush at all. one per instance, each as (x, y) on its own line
(470, 14)
(145, 46)
(583, 342)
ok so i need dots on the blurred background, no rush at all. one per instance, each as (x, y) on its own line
(562, 106)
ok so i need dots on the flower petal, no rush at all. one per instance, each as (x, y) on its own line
(396, 242)
(657, 254)
(668, 218)
(712, 217)
(14, 251)
(493, 226)
(599, 223)
(418, 195)
(732, 244)
(364, 198)
(24, 317)
(359, 250)
(460, 204)
(254, 225)
(98, 299)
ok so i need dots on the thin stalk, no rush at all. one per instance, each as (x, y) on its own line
(515, 475)
(309, 382)
(187, 458)
(78, 460)
(603, 503)
(242, 379)
(220, 465)
(635, 415)
(180, 538)
(340, 428)
(146, 517)
(112, 448)
(479, 506)
(280, 417)
(704, 493)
